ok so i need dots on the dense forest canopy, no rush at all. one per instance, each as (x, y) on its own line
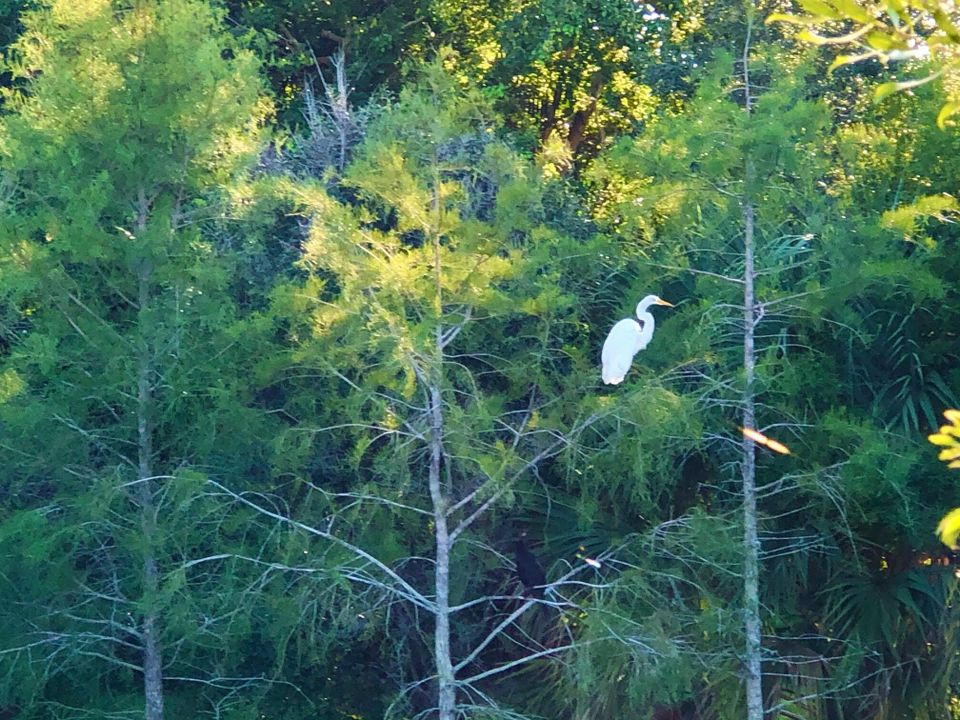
(302, 305)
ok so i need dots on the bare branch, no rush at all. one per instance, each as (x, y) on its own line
(519, 661)
(718, 276)
(415, 596)
(547, 452)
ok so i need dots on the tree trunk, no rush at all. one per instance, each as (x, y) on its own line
(152, 662)
(578, 123)
(751, 540)
(446, 686)
(152, 653)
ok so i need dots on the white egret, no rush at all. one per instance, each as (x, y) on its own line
(626, 339)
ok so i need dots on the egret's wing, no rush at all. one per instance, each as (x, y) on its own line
(618, 351)
(640, 341)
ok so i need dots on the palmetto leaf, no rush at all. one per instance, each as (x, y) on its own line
(879, 607)
(914, 390)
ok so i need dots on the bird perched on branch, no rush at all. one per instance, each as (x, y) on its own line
(626, 339)
(529, 569)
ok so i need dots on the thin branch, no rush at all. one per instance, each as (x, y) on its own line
(518, 661)
(725, 278)
(504, 624)
(549, 451)
(373, 498)
(415, 596)
(452, 333)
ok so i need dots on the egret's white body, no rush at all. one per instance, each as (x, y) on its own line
(626, 339)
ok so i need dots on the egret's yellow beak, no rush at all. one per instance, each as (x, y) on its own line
(661, 301)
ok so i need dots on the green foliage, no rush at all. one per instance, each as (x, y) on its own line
(290, 334)
(837, 332)
(10, 11)
(446, 238)
(949, 527)
(922, 34)
(947, 438)
(126, 132)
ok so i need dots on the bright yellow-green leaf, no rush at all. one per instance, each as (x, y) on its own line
(881, 41)
(946, 112)
(949, 439)
(792, 19)
(821, 8)
(812, 38)
(11, 385)
(945, 24)
(949, 528)
(841, 60)
(852, 10)
(885, 89)
(896, 9)
(950, 430)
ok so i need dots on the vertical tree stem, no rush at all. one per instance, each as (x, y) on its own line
(152, 653)
(445, 675)
(446, 684)
(751, 540)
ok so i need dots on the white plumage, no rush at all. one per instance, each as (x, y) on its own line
(626, 339)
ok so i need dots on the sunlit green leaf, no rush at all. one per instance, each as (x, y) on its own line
(884, 90)
(851, 10)
(949, 528)
(945, 24)
(812, 38)
(842, 60)
(882, 41)
(946, 112)
(792, 19)
(820, 8)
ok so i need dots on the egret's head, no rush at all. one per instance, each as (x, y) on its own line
(651, 300)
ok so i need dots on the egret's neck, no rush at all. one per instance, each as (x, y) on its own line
(642, 308)
(645, 305)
